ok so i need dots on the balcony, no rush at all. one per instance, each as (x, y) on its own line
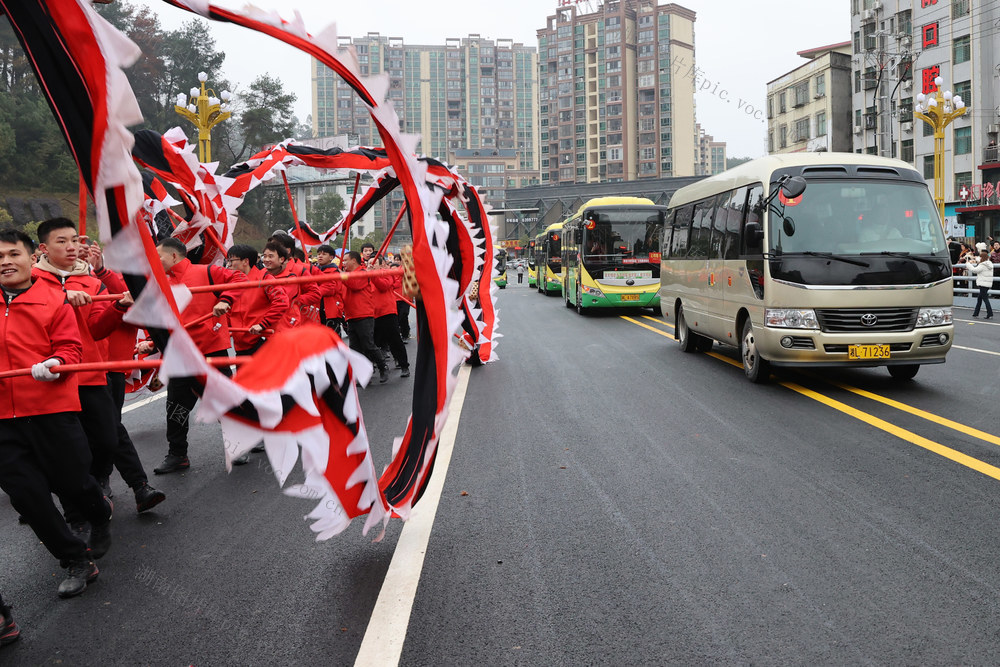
(991, 154)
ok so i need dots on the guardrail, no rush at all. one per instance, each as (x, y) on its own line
(966, 292)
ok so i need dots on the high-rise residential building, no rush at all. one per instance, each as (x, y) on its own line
(711, 154)
(468, 93)
(809, 108)
(616, 92)
(899, 48)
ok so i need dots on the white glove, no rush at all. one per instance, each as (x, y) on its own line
(41, 372)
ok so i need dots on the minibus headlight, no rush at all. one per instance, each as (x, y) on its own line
(592, 291)
(934, 317)
(791, 318)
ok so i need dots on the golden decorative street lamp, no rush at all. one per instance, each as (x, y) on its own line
(938, 110)
(205, 111)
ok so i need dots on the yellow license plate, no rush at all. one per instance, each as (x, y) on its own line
(860, 352)
(630, 297)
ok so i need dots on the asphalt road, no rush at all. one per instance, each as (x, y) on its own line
(610, 500)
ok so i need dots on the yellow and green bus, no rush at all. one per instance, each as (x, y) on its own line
(501, 263)
(611, 254)
(548, 259)
(532, 273)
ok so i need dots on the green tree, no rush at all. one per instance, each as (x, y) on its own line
(327, 210)
(5, 219)
(263, 116)
(736, 161)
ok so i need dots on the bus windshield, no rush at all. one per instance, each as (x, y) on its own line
(857, 232)
(621, 238)
(554, 252)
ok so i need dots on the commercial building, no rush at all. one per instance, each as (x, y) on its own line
(809, 108)
(899, 48)
(616, 92)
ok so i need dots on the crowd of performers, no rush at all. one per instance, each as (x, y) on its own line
(61, 433)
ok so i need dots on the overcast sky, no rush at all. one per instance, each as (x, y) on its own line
(739, 45)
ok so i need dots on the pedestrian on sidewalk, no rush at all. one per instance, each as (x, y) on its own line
(983, 270)
(520, 273)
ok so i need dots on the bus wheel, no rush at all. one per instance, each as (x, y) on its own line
(580, 310)
(904, 372)
(756, 368)
(686, 337)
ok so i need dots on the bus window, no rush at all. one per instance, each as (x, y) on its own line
(681, 232)
(701, 229)
(734, 220)
(719, 225)
(753, 214)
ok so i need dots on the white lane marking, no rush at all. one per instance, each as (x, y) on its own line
(383, 642)
(973, 349)
(145, 401)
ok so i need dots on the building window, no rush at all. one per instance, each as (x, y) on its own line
(960, 51)
(930, 33)
(770, 142)
(821, 124)
(783, 136)
(962, 179)
(857, 81)
(801, 93)
(959, 8)
(781, 102)
(857, 41)
(963, 140)
(964, 90)
(906, 150)
(820, 85)
(801, 131)
(770, 106)
(928, 167)
(904, 22)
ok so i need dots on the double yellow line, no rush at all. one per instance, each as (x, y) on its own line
(881, 424)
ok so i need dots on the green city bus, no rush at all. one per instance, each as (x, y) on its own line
(611, 254)
(501, 267)
(548, 259)
(532, 275)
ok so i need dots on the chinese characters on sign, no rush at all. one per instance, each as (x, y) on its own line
(928, 76)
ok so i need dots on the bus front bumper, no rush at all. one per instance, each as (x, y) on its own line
(815, 348)
(651, 300)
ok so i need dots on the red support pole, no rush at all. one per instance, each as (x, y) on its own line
(83, 207)
(123, 365)
(350, 216)
(291, 204)
(388, 237)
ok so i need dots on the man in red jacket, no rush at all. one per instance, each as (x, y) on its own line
(259, 309)
(386, 319)
(359, 309)
(332, 306)
(43, 448)
(275, 259)
(211, 336)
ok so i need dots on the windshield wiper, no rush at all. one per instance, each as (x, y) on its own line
(827, 255)
(891, 253)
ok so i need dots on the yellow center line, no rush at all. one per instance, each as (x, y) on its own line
(658, 321)
(881, 424)
(646, 326)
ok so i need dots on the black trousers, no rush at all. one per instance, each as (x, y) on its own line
(126, 458)
(182, 394)
(49, 454)
(252, 349)
(403, 318)
(361, 332)
(984, 297)
(387, 335)
(99, 420)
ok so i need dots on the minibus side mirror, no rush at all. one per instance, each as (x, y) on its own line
(793, 187)
(578, 236)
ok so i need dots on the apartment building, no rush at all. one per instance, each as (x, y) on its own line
(711, 154)
(616, 92)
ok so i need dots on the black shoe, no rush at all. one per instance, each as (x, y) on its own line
(106, 487)
(21, 520)
(257, 449)
(100, 535)
(242, 459)
(146, 498)
(78, 575)
(405, 373)
(172, 463)
(988, 317)
(383, 376)
(9, 631)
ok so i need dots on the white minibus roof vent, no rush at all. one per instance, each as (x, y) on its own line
(825, 169)
(878, 170)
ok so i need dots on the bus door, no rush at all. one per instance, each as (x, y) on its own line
(701, 312)
(735, 285)
(747, 270)
(715, 218)
(571, 257)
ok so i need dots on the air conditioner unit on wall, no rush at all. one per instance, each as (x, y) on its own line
(867, 15)
(857, 129)
(908, 84)
(993, 129)
(907, 126)
(877, 6)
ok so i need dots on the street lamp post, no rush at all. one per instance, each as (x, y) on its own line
(938, 110)
(205, 111)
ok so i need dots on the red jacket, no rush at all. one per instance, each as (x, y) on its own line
(122, 340)
(38, 325)
(359, 298)
(265, 306)
(397, 287)
(95, 321)
(333, 294)
(211, 335)
(385, 300)
(299, 295)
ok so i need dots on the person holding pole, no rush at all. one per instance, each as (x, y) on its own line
(43, 448)
(359, 309)
(210, 334)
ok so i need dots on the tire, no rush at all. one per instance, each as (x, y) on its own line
(685, 336)
(580, 310)
(903, 372)
(755, 367)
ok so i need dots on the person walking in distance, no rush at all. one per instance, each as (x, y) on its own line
(43, 449)
(983, 270)
(520, 273)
